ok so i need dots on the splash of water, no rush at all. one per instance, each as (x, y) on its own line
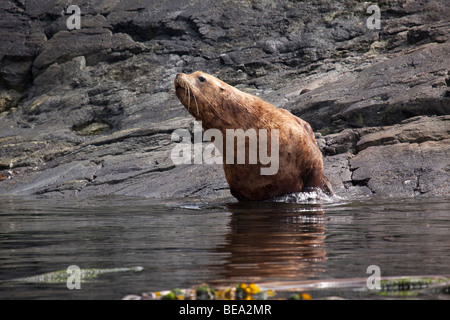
(313, 197)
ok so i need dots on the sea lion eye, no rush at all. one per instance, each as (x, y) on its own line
(201, 79)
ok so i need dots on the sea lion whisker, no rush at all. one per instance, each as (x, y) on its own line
(171, 94)
(207, 100)
(189, 97)
(198, 112)
(188, 92)
(192, 90)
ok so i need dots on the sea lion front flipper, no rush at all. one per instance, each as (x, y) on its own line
(327, 186)
(317, 180)
(239, 195)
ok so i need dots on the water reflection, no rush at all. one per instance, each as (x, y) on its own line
(274, 241)
(184, 243)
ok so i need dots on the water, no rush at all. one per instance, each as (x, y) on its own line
(182, 243)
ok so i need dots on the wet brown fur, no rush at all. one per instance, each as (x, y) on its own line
(221, 106)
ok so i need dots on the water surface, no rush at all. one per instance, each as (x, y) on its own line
(182, 243)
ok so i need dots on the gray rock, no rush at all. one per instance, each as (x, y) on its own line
(404, 169)
(382, 94)
(91, 111)
(413, 130)
(407, 159)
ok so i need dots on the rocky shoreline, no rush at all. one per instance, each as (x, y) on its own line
(91, 111)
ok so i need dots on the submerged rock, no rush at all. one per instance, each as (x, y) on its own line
(61, 276)
(91, 111)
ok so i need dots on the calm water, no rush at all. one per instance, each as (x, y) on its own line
(186, 242)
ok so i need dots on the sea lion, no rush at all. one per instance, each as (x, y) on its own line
(220, 106)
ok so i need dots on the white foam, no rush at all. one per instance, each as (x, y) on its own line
(313, 197)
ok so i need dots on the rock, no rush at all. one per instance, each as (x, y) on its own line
(404, 169)
(21, 39)
(72, 176)
(66, 45)
(8, 100)
(414, 130)
(91, 111)
(93, 128)
(382, 94)
(407, 159)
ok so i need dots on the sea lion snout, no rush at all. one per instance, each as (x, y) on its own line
(177, 80)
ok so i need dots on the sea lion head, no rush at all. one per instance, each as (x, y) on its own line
(212, 101)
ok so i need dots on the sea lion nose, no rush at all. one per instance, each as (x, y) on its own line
(176, 80)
